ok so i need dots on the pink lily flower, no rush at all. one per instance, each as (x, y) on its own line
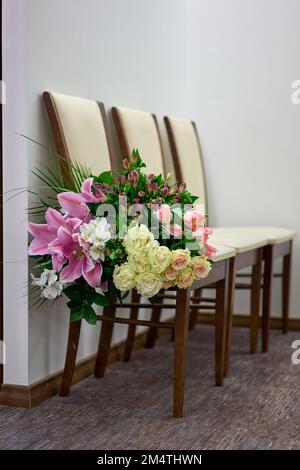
(80, 264)
(46, 233)
(86, 192)
(74, 205)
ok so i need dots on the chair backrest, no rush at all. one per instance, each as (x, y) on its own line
(138, 129)
(80, 131)
(187, 156)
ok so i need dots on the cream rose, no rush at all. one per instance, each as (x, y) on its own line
(180, 259)
(159, 258)
(185, 278)
(138, 238)
(148, 284)
(139, 261)
(168, 284)
(124, 277)
(201, 267)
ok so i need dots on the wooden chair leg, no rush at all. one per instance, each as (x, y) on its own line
(221, 327)
(194, 313)
(255, 303)
(181, 333)
(267, 295)
(286, 280)
(131, 328)
(73, 340)
(104, 342)
(153, 330)
(230, 310)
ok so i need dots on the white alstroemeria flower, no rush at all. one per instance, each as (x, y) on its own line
(96, 232)
(53, 290)
(48, 281)
(96, 253)
(48, 276)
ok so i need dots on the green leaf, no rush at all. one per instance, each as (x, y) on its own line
(105, 177)
(89, 314)
(74, 293)
(107, 273)
(100, 300)
(74, 304)
(77, 313)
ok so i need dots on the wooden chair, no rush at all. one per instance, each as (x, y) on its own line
(188, 162)
(139, 128)
(220, 277)
(80, 133)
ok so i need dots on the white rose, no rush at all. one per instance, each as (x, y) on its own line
(124, 277)
(159, 258)
(138, 261)
(148, 284)
(138, 238)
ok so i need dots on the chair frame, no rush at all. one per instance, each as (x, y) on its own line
(219, 275)
(62, 150)
(251, 258)
(270, 253)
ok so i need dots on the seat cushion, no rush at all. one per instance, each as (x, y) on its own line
(239, 238)
(275, 235)
(223, 252)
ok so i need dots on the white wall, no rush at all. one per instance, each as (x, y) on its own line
(227, 64)
(15, 168)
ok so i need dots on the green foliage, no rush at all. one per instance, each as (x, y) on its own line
(81, 300)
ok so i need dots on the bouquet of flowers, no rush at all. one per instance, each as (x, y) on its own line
(115, 232)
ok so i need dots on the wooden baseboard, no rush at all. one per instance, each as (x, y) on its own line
(243, 321)
(32, 395)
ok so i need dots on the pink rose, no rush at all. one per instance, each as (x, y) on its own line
(201, 267)
(170, 274)
(185, 278)
(180, 259)
(164, 214)
(194, 220)
(175, 230)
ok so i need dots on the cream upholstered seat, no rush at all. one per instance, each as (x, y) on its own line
(275, 235)
(138, 129)
(223, 252)
(79, 130)
(240, 239)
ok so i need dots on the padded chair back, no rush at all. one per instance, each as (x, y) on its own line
(187, 157)
(138, 129)
(80, 131)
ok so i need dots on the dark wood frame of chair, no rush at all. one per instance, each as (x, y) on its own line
(270, 253)
(62, 150)
(220, 276)
(251, 258)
